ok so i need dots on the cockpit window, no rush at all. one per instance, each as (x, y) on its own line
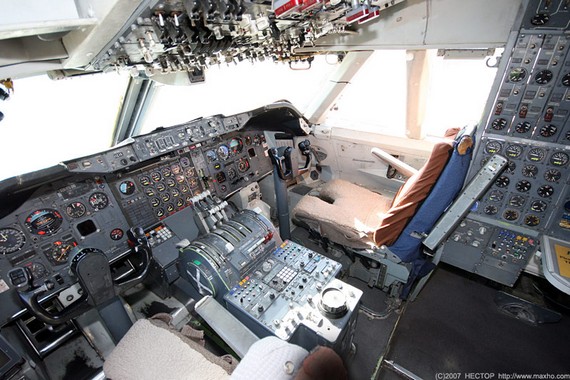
(376, 98)
(231, 89)
(48, 121)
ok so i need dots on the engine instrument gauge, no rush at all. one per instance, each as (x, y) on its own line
(160, 187)
(59, 251)
(144, 180)
(538, 206)
(517, 201)
(179, 202)
(149, 191)
(511, 215)
(220, 177)
(75, 210)
(502, 181)
(165, 197)
(166, 172)
(490, 210)
(517, 74)
(566, 80)
(493, 147)
(175, 192)
(193, 182)
(176, 169)
(529, 171)
(127, 187)
(11, 240)
(523, 127)
(170, 207)
(513, 150)
(496, 196)
(559, 159)
(38, 270)
(184, 188)
(548, 130)
(185, 162)
(98, 200)
(155, 202)
(243, 165)
(159, 212)
(179, 178)
(223, 152)
(531, 220)
(170, 182)
(543, 77)
(545, 191)
(236, 145)
(44, 222)
(156, 176)
(539, 19)
(552, 175)
(536, 154)
(499, 124)
(523, 186)
(511, 167)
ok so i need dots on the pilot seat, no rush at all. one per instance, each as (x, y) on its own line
(383, 236)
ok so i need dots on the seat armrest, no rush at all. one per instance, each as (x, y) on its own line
(228, 327)
(400, 166)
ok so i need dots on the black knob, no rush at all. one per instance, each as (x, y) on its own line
(271, 296)
(260, 308)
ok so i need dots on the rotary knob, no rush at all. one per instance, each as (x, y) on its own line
(333, 303)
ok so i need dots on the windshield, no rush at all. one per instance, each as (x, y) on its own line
(47, 121)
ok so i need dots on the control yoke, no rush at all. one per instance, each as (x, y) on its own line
(90, 267)
(287, 167)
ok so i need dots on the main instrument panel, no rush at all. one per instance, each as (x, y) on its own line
(94, 200)
(527, 123)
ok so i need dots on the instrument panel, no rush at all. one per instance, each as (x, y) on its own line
(102, 196)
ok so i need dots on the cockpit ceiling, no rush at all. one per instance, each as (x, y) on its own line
(153, 37)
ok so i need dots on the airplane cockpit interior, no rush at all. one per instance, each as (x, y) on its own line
(310, 189)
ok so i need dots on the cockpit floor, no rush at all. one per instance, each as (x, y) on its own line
(454, 327)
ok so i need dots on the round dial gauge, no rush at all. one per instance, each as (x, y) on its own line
(552, 175)
(523, 127)
(190, 172)
(529, 171)
(513, 150)
(566, 80)
(169, 207)
(490, 210)
(37, 269)
(166, 172)
(538, 206)
(75, 210)
(516, 201)
(545, 191)
(559, 159)
(531, 220)
(175, 192)
(159, 212)
(243, 165)
(543, 77)
(160, 187)
(236, 145)
(536, 154)
(493, 147)
(232, 173)
(156, 176)
(539, 19)
(127, 187)
(548, 130)
(11, 240)
(150, 192)
(180, 178)
(179, 202)
(184, 189)
(502, 181)
(220, 177)
(117, 234)
(511, 167)
(44, 222)
(170, 182)
(496, 196)
(223, 152)
(176, 169)
(60, 250)
(193, 182)
(499, 124)
(523, 186)
(99, 200)
(211, 156)
(185, 162)
(165, 197)
(511, 215)
(145, 180)
(155, 202)
(517, 74)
